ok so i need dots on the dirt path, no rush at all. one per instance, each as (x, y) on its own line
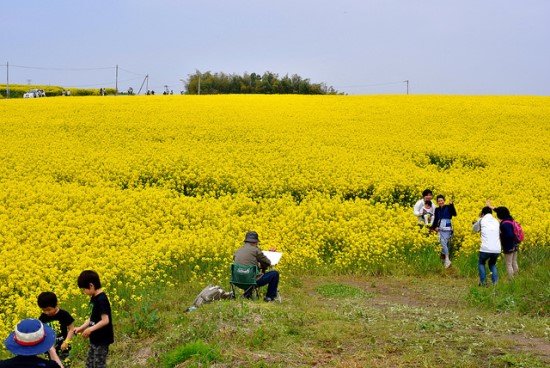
(435, 296)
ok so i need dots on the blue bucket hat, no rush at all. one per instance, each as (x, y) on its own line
(251, 237)
(31, 337)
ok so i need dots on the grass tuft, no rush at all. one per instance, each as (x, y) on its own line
(196, 351)
(340, 291)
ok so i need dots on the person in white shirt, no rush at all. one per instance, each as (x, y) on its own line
(489, 229)
(420, 212)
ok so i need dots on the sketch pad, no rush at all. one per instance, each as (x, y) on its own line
(274, 257)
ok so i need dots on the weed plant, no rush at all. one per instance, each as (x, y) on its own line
(198, 352)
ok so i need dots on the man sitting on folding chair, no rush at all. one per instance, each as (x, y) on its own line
(249, 254)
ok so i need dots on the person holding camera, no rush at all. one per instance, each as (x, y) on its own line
(489, 229)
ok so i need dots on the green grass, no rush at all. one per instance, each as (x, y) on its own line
(196, 352)
(406, 319)
(339, 291)
(433, 320)
(528, 294)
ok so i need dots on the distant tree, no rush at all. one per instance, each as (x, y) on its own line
(286, 85)
(267, 83)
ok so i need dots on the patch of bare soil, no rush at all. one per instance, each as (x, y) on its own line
(142, 355)
(446, 292)
(532, 345)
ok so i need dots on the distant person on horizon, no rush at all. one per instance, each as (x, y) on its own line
(443, 226)
(489, 229)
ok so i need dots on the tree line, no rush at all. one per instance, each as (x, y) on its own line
(267, 83)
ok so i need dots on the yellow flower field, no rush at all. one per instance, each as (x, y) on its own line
(139, 187)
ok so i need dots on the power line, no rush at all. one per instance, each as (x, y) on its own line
(102, 84)
(372, 85)
(378, 85)
(128, 71)
(166, 85)
(60, 69)
(73, 69)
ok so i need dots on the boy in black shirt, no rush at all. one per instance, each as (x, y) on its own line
(60, 321)
(99, 326)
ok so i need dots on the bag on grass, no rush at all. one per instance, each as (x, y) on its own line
(209, 294)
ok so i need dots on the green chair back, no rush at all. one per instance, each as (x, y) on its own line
(243, 276)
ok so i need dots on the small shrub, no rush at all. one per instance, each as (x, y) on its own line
(446, 162)
(197, 351)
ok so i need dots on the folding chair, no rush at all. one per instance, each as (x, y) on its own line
(244, 278)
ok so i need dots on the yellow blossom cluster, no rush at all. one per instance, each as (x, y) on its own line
(141, 188)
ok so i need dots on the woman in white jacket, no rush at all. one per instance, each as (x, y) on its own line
(489, 227)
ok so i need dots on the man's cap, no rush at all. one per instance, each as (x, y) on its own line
(251, 237)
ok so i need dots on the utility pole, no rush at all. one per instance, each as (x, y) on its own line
(7, 79)
(146, 79)
(116, 83)
(407, 81)
(183, 81)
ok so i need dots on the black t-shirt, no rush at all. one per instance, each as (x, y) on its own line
(59, 323)
(33, 361)
(99, 304)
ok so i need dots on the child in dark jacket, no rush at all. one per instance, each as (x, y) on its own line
(508, 241)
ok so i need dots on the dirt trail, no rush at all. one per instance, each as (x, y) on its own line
(444, 293)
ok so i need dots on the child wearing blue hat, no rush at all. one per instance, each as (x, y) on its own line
(30, 338)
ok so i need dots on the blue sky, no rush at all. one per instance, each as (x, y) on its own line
(467, 47)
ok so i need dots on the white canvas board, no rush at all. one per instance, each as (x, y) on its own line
(274, 257)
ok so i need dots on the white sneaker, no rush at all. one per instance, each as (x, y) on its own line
(447, 263)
